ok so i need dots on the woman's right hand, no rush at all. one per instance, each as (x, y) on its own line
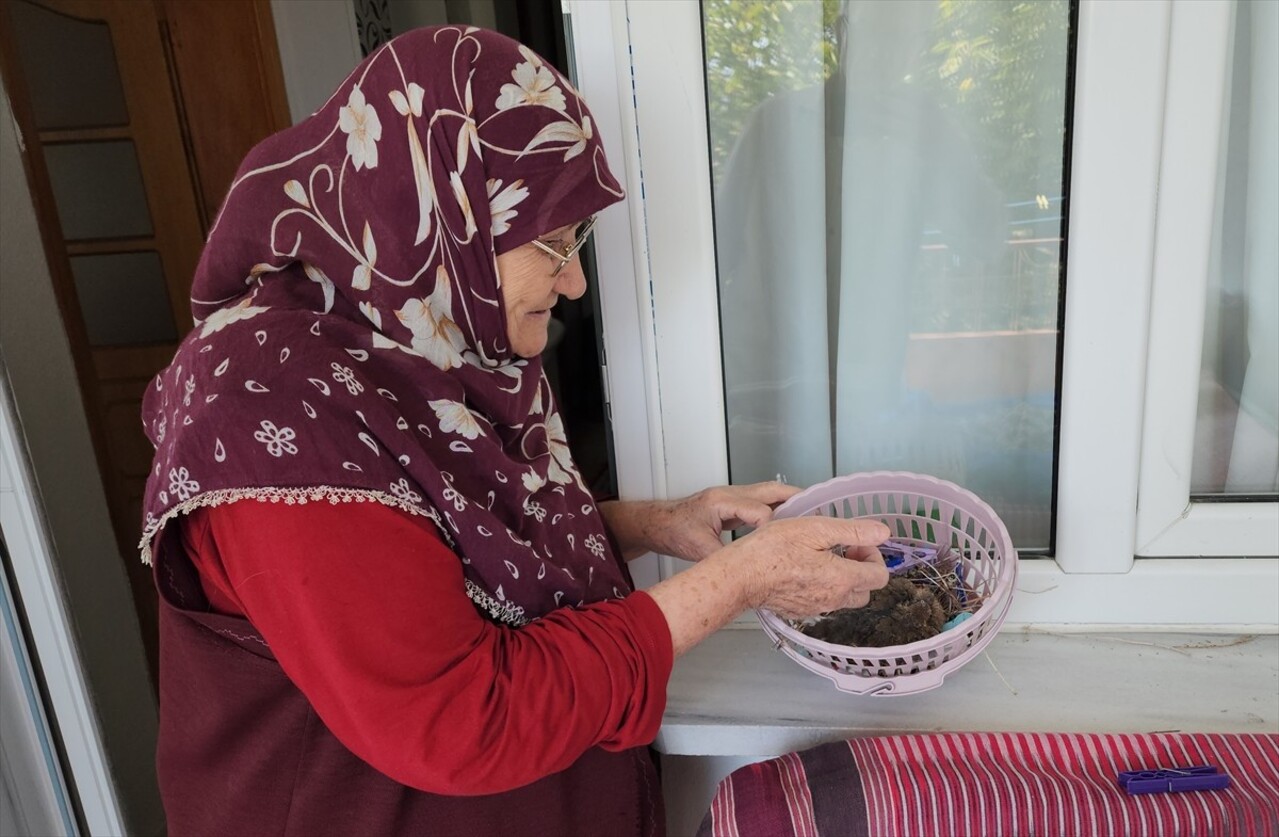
(788, 566)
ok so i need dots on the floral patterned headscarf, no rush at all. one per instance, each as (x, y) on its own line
(351, 338)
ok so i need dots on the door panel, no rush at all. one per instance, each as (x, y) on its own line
(229, 105)
(135, 117)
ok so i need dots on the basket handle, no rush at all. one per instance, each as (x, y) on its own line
(847, 683)
(922, 681)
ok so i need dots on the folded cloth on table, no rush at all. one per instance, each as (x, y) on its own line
(999, 784)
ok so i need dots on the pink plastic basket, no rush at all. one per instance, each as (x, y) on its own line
(920, 510)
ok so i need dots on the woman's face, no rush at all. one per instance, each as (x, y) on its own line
(530, 291)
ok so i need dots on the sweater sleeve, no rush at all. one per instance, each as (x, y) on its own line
(365, 609)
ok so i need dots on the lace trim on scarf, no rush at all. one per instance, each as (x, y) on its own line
(501, 610)
(290, 497)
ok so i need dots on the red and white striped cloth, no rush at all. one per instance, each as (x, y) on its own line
(1000, 784)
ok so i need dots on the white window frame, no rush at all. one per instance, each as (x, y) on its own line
(1168, 523)
(28, 540)
(640, 66)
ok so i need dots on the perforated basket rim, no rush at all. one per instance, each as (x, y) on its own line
(994, 609)
(894, 685)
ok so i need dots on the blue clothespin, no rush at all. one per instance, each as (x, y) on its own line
(1173, 780)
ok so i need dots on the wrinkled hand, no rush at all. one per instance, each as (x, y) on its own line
(690, 528)
(788, 566)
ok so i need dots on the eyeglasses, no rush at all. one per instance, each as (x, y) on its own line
(567, 255)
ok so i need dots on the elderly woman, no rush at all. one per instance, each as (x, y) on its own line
(390, 604)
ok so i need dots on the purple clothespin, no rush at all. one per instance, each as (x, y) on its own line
(1173, 780)
(900, 557)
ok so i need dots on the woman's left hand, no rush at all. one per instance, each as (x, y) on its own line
(690, 528)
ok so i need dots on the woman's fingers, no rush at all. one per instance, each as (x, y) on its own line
(769, 493)
(859, 532)
(734, 515)
(874, 573)
(859, 598)
(864, 554)
(826, 533)
(747, 505)
(866, 575)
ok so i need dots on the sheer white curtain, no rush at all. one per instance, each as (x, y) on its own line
(771, 233)
(887, 288)
(1238, 450)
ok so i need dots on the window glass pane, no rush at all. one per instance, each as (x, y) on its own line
(123, 298)
(97, 187)
(889, 197)
(1237, 434)
(70, 69)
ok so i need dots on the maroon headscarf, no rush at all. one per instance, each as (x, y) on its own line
(351, 342)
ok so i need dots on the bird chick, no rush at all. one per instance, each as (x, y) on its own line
(900, 613)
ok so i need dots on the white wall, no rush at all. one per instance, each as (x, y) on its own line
(410, 14)
(319, 46)
(35, 349)
(320, 43)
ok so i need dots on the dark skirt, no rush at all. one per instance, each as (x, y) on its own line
(241, 752)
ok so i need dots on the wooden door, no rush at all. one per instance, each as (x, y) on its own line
(130, 140)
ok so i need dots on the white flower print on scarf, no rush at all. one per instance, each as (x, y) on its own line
(345, 375)
(412, 104)
(326, 285)
(371, 314)
(452, 495)
(456, 418)
(564, 131)
(278, 440)
(534, 85)
(513, 370)
(400, 488)
(464, 203)
(223, 317)
(359, 121)
(411, 107)
(181, 484)
(502, 202)
(436, 336)
(362, 276)
(532, 482)
(534, 509)
(561, 470)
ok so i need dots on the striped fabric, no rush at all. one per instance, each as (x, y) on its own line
(999, 784)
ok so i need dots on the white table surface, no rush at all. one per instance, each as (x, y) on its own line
(735, 695)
